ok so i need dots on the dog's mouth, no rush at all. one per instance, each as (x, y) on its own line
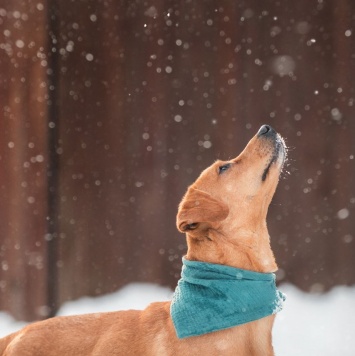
(278, 157)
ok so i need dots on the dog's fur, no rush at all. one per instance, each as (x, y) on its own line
(224, 217)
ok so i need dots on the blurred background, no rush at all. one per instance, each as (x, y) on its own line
(110, 109)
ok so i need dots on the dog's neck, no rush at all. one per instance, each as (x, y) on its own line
(251, 253)
(211, 297)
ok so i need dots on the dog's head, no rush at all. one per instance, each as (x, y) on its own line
(230, 199)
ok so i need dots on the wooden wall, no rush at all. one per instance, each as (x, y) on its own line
(110, 109)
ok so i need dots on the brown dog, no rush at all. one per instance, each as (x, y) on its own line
(224, 216)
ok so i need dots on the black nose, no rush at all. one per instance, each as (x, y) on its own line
(265, 130)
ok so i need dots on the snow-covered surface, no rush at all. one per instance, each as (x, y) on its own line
(312, 325)
(316, 325)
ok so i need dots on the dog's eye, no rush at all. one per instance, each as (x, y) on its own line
(223, 168)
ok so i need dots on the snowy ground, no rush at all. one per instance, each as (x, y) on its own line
(311, 325)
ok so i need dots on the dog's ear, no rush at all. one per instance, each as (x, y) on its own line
(199, 210)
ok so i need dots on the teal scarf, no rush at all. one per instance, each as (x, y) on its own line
(211, 297)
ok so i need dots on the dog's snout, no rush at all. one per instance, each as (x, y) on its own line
(266, 130)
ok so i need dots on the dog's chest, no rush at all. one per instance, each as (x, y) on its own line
(252, 339)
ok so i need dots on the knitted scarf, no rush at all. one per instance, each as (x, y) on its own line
(211, 297)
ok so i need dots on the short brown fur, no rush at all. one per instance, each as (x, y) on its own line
(224, 217)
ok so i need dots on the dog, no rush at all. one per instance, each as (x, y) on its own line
(223, 215)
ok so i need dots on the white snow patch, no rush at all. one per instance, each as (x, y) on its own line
(283, 65)
(315, 324)
(343, 214)
(336, 114)
(132, 296)
(9, 325)
(151, 12)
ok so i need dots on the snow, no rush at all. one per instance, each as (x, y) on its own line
(310, 324)
(316, 325)
(283, 65)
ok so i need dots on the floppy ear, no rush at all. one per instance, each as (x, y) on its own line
(199, 209)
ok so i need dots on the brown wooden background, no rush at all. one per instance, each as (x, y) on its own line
(110, 109)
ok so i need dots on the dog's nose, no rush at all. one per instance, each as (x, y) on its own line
(265, 130)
